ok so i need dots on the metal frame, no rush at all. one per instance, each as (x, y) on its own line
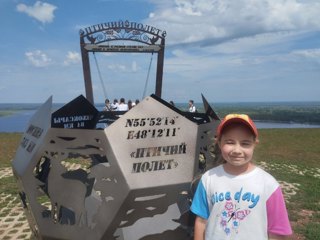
(148, 39)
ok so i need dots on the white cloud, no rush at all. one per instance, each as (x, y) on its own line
(254, 43)
(213, 21)
(134, 66)
(151, 15)
(125, 68)
(41, 11)
(188, 8)
(307, 56)
(117, 67)
(38, 58)
(308, 53)
(72, 58)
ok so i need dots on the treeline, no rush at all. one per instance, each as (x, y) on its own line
(288, 113)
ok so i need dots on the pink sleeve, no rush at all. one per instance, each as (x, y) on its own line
(278, 222)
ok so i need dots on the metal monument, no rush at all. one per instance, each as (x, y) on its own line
(101, 38)
(86, 174)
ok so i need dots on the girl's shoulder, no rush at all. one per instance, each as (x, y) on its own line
(265, 178)
(218, 170)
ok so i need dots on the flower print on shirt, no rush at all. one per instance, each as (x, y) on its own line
(231, 216)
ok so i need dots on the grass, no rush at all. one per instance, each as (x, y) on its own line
(6, 113)
(292, 155)
(8, 145)
(8, 185)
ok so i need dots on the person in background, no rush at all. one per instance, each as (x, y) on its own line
(122, 105)
(192, 107)
(107, 105)
(237, 199)
(130, 105)
(137, 102)
(115, 105)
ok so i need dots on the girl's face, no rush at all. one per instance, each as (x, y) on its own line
(237, 144)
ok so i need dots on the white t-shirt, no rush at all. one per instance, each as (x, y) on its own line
(192, 108)
(123, 107)
(114, 106)
(243, 207)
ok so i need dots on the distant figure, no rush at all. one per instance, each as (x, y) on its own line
(172, 103)
(137, 101)
(115, 105)
(130, 105)
(107, 105)
(192, 107)
(122, 105)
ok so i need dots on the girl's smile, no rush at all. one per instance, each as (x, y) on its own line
(237, 145)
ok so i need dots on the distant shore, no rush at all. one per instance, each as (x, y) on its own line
(14, 117)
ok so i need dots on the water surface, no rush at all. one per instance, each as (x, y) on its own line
(18, 122)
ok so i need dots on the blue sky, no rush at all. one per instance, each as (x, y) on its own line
(228, 50)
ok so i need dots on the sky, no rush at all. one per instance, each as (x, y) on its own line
(227, 50)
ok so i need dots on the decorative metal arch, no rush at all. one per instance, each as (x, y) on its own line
(98, 38)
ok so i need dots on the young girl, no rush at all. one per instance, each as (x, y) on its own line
(238, 200)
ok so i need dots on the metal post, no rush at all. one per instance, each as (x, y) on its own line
(160, 61)
(86, 72)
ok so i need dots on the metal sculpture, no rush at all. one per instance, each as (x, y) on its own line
(101, 38)
(130, 180)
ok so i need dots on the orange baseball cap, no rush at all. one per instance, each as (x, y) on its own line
(240, 118)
